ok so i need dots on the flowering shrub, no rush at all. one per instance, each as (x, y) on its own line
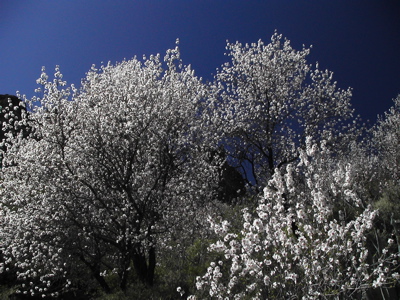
(296, 243)
(386, 135)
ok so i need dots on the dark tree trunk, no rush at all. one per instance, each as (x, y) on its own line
(124, 272)
(144, 269)
(95, 270)
(271, 161)
(152, 266)
(102, 282)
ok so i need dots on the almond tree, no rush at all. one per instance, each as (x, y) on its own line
(110, 171)
(267, 99)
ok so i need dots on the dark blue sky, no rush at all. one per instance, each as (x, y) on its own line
(358, 40)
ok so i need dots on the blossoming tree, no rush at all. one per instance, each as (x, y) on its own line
(108, 172)
(268, 99)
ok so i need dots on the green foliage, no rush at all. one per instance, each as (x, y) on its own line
(136, 291)
(389, 202)
(6, 292)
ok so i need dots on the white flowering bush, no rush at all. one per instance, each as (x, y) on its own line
(297, 243)
(386, 136)
(385, 156)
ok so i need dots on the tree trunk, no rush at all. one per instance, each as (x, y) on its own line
(139, 262)
(144, 270)
(95, 270)
(124, 273)
(152, 266)
(271, 161)
(100, 279)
